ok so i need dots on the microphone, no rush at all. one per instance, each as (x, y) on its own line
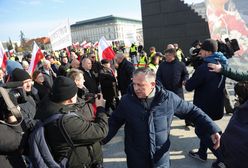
(12, 84)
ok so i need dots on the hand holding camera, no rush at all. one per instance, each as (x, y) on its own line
(99, 100)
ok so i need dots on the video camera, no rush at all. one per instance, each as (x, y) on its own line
(229, 47)
(11, 94)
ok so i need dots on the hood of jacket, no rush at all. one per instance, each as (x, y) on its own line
(215, 58)
(46, 108)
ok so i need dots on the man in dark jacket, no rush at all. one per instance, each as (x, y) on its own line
(84, 134)
(124, 72)
(147, 111)
(48, 73)
(90, 80)
(209, 89)
(172, 74)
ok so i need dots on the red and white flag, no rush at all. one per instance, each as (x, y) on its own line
(36, 57)
(104, 49)
(88, 45)
(83, 43)
(3, 57)
(95, 44)
(75, 45)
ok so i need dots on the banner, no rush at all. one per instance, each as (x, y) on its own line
(60, 37)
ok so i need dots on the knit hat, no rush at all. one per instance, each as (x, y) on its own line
(20, 75)
(11, 65)
(63, 89)
(210, 45)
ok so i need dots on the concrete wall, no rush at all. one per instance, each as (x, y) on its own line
(171, 21)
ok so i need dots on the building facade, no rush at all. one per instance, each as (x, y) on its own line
(111, 27)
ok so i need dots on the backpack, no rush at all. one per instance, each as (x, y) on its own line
(39, 152)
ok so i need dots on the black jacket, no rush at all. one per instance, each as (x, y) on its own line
(90, 82)
(171, 75)
(84, 134)
(108, 84)
(124, 75)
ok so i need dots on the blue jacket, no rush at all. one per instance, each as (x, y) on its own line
(209, 88)
(147, 130)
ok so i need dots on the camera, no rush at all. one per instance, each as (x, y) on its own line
(11, 94)
(229, 47)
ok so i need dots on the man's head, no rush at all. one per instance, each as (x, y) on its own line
(86, 64)
(208, 47)
(152, 49)
(105, 63)
(92, 57)
(77, 76)
(119, 57)
(143, 82)
(64, 59)
(64, 91)
(46, 64)
(23, 76)
(170, 54)
(38, 77)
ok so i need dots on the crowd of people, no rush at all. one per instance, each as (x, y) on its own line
(141, 91)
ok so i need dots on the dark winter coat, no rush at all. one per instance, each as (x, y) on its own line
(147, 130)
(43, 89)
(124, 75)
(14, 159)
(209, 91)
(90, 82)
(108, 84)
(48, 77)
(235, 139)
(171, 75)
(85, 135)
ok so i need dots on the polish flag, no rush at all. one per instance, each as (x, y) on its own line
(36, 57)
(88, 45)
(95, 44)
(75, 45)
(3, 57)
(104, 49)
(83, 43)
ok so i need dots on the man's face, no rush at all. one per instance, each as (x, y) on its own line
(204, 53)
(27, 85)
(142, 88)
(92, 57)
(80, 81)
(87, 64)
(65, 60)
(170, 57)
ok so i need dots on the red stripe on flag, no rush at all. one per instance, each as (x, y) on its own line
(38, 57)
(108, 53)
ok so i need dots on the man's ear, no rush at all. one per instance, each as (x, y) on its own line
(153, 84)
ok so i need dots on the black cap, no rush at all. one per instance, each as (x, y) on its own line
(20, 75)
(63, 89)
(210, 45)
